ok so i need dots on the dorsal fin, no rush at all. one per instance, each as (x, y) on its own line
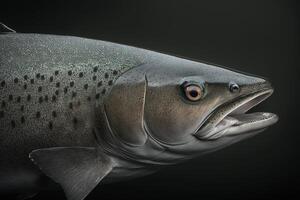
(5, 29)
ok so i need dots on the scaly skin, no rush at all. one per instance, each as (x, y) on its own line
(50, 89)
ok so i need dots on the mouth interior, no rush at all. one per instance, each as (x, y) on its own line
(232, 119)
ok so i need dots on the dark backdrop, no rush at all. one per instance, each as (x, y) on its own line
(260, 37)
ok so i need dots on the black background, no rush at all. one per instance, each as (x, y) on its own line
(260, 37)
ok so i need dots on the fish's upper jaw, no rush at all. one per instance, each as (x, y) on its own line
(231, 118)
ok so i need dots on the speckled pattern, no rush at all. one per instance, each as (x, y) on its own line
(51, 86)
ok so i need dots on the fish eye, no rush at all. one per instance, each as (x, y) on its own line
(193, 92)
(233, 87)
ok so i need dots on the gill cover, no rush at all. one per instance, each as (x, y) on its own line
(124, 107)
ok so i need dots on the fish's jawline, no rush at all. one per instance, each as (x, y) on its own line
(234, 113)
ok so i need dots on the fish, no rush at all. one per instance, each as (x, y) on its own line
(75, 112)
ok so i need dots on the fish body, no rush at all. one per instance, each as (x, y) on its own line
(50, 89)
(80, 110)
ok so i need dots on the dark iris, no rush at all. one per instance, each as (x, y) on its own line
(194, 93)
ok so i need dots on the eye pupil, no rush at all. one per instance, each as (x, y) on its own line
(194, 93)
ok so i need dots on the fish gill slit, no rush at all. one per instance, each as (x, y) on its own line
(144, 100)
(107, 121)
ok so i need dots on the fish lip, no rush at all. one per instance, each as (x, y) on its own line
(243, 104)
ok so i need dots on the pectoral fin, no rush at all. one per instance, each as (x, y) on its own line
(77, 169)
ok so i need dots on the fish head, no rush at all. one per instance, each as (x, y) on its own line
(187, 105)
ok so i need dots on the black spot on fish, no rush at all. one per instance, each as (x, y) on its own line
(38, 75)
(99, 84)
(110, 82)
(50, 125)
(86, 86)
(56, 92)
(75, 120)
(51, 79)
(13, 123)
(1, 114)
(54, 114)
(89, 98)
(2, 83)
(115, 72)
(74, 94)
(97, 96)
(25, 77)
(28, 97)
(39, 88)
(16, 80)
(38, 114)
(72, 83)
(106, 75)
(32, 81)
(10, 97)
(71, 105)
(22, 108)
(40, 99)
(22, 119)
(43, 77)
(46, 98)
(80, 75)
(53, 98)
(3, 104)
(103, 91)
(95, 69)
(56, 72)
(94, 78)
(25, 86)
(18, 99)
(57, 84)
(69, 72)
(65, 90)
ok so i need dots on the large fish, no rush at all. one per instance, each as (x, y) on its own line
(80, 110)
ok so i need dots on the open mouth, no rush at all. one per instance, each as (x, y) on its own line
(231, 118)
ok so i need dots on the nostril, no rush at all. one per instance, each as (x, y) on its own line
(233, 87)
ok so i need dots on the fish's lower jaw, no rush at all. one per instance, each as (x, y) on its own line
(252, 122)
(239, 124)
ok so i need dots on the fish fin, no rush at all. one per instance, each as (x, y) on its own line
(77, 169)
(5, 29)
